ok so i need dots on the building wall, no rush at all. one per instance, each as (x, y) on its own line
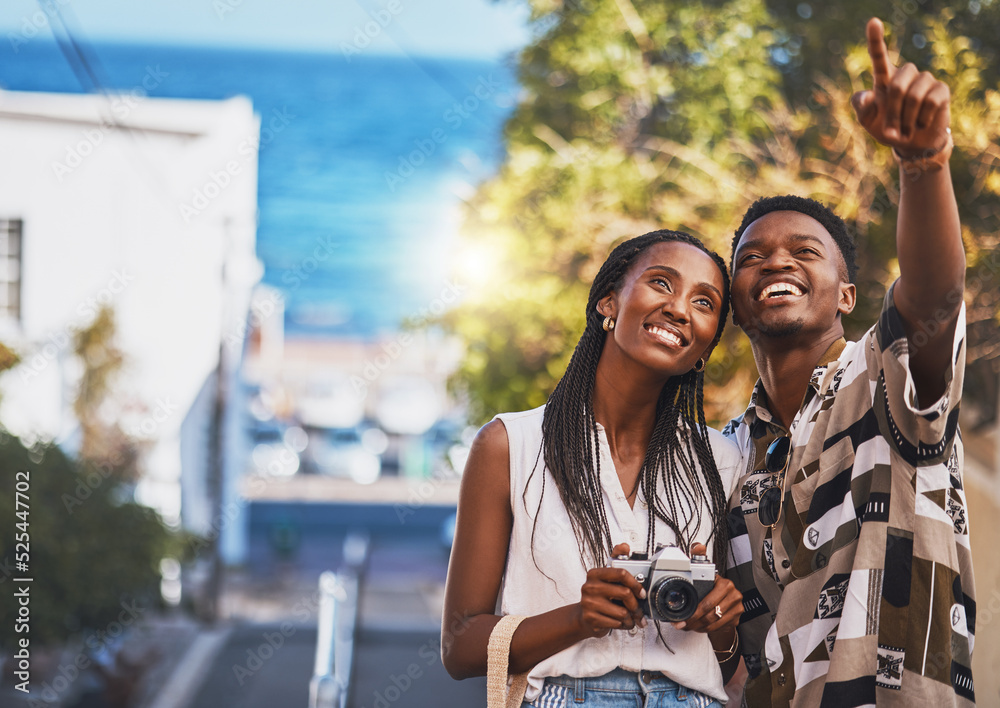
(154, 214)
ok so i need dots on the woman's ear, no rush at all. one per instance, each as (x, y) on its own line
(708, 352)
(607, 306)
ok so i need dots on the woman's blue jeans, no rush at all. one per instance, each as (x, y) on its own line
(618, 689)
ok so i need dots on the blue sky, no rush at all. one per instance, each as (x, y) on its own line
(466, 28)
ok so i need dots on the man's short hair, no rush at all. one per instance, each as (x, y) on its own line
(810, 207)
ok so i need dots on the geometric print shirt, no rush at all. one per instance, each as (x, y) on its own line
(862, 594)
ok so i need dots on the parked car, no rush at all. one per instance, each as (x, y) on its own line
(351, 453)
(276, 448)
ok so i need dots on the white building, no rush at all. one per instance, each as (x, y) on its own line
(149, 205)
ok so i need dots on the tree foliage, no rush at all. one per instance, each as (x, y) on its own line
(97, 405)
(8, 358)
(639, 115)
(89, 550)
(91, 547)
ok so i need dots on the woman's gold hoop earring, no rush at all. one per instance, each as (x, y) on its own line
(699, 365)
(609, 324)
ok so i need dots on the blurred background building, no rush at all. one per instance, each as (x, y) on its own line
(93, 216)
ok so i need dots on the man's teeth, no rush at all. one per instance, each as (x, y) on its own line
(776, 289)
(665, 335)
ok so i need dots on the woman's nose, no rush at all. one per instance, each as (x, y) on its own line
(676, 308)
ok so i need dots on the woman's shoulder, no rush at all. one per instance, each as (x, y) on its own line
(521, 416)
(522, 425)
(728, 458)
(514, 428)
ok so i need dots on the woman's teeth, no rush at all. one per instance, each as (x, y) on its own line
(665, 335)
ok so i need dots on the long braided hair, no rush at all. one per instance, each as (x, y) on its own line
(679, 470)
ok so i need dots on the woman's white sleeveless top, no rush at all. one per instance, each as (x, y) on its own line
(545, 570)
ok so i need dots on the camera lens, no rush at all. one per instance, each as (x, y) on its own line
(674, 599)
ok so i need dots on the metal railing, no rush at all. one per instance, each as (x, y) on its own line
(337, 622)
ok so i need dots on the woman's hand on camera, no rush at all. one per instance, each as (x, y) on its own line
(719, 609)
(609, 599)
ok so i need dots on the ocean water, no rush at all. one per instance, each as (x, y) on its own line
(375, 158)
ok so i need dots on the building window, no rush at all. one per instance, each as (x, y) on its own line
(10, 268)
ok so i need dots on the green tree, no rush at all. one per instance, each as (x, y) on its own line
(603, 79)
(641, 115)
(8, 358)
(89, 551)
(103, 444)
(815, 36)
(91, 547)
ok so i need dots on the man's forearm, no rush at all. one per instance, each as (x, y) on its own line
(932, 274)
(929, 245)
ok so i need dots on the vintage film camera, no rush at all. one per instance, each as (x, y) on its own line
(674, 584)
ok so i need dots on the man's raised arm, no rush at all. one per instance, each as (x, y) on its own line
(909, 111)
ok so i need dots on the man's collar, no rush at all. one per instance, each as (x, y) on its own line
(757, 409)
(819, 381)
(833, 352)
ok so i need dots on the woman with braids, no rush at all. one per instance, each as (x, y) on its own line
(619, 459)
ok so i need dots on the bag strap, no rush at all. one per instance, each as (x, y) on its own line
(497, 660)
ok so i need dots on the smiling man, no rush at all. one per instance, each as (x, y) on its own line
(849, 527)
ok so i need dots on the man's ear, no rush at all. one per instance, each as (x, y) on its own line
(848, 298)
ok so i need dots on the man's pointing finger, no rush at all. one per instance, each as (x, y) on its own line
(881, 68)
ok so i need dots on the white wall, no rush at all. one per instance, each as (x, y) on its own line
(112, 214)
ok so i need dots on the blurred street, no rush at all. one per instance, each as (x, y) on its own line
(261, 653)
(267, 647)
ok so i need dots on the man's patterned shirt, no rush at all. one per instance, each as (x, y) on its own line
(863, 592)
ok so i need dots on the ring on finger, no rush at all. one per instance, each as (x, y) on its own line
(718, 611)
